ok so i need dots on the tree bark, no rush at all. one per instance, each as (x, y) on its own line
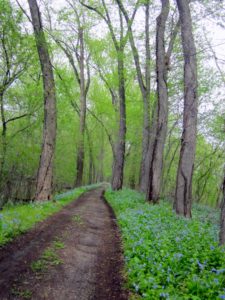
(118, 164)
(45, 171)
(83, 109)
(183, 198)
(161, 113)
(3, 140)
(144, 178)
(101, 157)
(91, 158)
(222, 216)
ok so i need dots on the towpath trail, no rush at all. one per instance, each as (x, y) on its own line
(74, 254)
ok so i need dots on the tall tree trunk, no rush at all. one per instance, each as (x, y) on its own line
(144, 79)
(45, 171)
(83, 108)
(183, 197)
(91, 158)
(84, 84)
(118, 164)
(222, 215)
(3, 140)
(144, 178)
(119, 44)
(161, 114)
(145, 145)
(101, 157)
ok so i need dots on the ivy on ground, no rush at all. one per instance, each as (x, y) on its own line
(166, 256)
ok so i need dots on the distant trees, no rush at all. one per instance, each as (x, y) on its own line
(13, 63)
(84, 86)
(119, 44)
(45, 171)
(74, 47)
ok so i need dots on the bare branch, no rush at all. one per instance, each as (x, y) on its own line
(65, 47)
(16, 118)
(23, 10)
(132, 43)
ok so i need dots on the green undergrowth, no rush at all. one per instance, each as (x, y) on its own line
(17, 219)
(169, 257)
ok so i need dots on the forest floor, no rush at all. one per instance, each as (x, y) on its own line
(74, 254)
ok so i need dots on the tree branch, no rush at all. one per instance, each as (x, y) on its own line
(132, 43)
(16, 118)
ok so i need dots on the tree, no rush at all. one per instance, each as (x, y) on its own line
(161, 112)
(45, 171)
(160, 117)
(119, 44)
(183, 198)
(144, 81)
(153, 138)
(81, 70)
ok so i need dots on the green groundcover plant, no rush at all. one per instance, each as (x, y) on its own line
(169, 257)
(17, 219)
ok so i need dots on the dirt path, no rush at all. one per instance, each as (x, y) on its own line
(83, 259)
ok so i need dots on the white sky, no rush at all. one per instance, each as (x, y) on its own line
(217, 34)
